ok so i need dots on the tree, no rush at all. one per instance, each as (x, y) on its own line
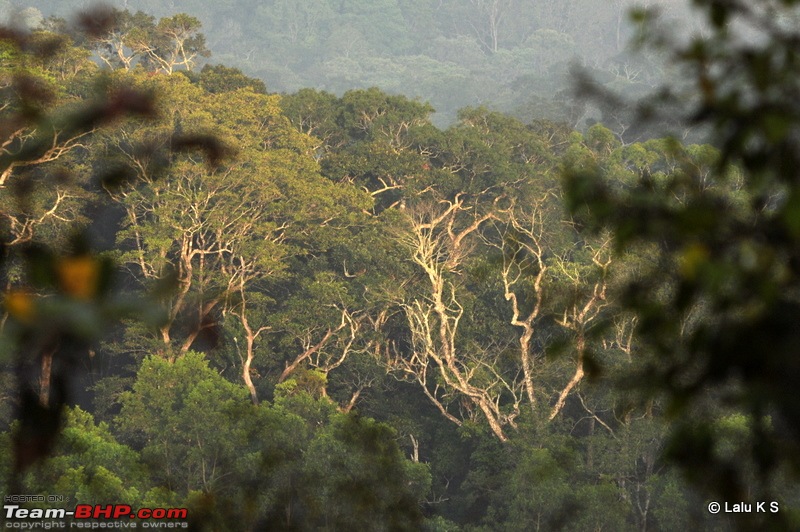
(349, 465)
(39, 93)
(89, 466)
(127, 39)
(120, 46)
(438, 240)
(229, 234)
(493, 11)
(296, 463)
(314, 113)
(539, 259)
(219, 78)
(56, 300)
(214, 228)
(174, 42)
(181, 416)
(717, 310)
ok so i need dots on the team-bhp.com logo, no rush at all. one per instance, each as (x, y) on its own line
(117, 511)
(13, 512)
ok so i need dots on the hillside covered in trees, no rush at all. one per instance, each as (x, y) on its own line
(509, 55)
(318, 310)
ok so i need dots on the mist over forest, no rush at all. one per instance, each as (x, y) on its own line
(509, 55)
(439, 265)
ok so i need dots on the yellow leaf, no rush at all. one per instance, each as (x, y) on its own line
(691, 258)
(78, 276)
(20, 305)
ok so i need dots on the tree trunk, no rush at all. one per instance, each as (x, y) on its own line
(46, 377)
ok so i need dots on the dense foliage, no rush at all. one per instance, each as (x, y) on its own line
(311, 311)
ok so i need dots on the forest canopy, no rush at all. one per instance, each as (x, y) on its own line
(320, 310)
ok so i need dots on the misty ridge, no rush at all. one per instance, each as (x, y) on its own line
(513, 56)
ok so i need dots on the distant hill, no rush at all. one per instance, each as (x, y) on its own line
(510, 55)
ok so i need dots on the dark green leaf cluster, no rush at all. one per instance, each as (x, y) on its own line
(719, 307)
